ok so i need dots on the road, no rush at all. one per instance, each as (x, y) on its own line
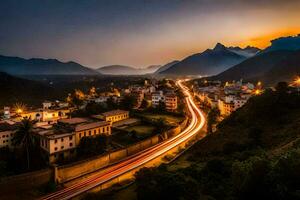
(197, 122)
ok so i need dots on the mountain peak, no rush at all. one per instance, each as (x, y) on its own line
(219, 47)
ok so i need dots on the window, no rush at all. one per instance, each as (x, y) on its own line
(70, 137)
(71, 144)
(55, 148)
(79, 135)
(84, 133)
(55, 141)
(107, 128)
(95, 131)
(3, 141)
(62, 147)
(62, 139)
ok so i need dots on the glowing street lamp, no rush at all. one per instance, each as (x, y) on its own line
(297, 83)
(19, 111)
(257, 92)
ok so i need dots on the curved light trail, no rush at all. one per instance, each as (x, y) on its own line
(197, 122)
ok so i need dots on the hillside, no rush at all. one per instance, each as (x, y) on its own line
(127, 70)
(284, 43)
(15, 89)
(166, 66)
(269, 67)
(38, 66)
(251, 156)
(209, 62)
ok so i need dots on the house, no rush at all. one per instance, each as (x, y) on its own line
(171, 102)
(114, 115)
(157, 97)
(92, 129)
(61, 142)
(57, 145)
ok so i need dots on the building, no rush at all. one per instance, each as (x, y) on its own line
(114, 115)
(157, 97)
(61, 143)
(7, 132)
(57, 145)
(171, 102)
(92, 129)
(230, 104)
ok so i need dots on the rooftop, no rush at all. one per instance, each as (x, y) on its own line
(114, 112)
(75, 120)
(82, 127)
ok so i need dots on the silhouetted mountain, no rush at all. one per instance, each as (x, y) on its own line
(269, 67)
(38, 66)
(15, 89)
(127, 70)
(247, 52)
(209, 62)
(166, 66)
(284, 43)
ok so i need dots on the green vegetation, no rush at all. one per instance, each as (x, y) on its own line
(133, 134)
(167, 117)
(90, 146)
(254, 154)
(24, 137)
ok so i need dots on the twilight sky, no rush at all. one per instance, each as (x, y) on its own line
(139, 32)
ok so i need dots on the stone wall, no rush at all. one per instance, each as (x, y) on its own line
(72, 171)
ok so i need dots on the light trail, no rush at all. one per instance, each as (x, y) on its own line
(197, 122)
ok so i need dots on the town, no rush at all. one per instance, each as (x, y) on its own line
(60, 126)
(149, 100)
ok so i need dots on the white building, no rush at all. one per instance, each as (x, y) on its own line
(157, 97)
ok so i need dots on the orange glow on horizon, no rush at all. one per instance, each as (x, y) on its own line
(264, 41)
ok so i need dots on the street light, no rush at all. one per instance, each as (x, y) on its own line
(297, 83)
(257, 92)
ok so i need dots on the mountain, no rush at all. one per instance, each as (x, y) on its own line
(284, 43)
(127, 70)
(38, 66)
(209, 62)
(269, 67)
(15, 89)
(247, 52)
(166, 66)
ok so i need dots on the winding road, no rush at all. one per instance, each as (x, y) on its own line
(197, 122)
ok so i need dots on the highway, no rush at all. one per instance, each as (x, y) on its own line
(197, 122)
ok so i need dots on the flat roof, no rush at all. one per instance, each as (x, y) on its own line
(82, 127)
(114, 112)
(52, 135)
(75, 120)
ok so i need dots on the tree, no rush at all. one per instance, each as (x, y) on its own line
(161, 106)
(24, 137)
(282, 87)
(145, 104)
(128, 102)
(212, 117)
(93, 145)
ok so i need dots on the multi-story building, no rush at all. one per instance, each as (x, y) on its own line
(57, 145)
(92, 129)
(7, 132)
(171, 102)
(114, 115)
(157, 97)
(61, 143)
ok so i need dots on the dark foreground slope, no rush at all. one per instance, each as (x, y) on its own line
(15, 89)
(255, 154)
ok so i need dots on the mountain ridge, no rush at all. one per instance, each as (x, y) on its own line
(40, 66)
